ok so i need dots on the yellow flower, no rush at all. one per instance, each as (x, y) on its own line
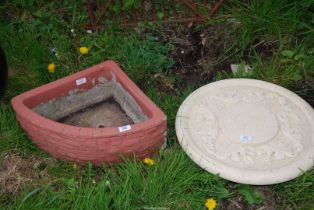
(210, 204)
(84, 50)
(51, 67)
(149, 161)
(76, 166)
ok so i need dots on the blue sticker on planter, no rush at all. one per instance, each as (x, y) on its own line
(124, 128)
(81, 81)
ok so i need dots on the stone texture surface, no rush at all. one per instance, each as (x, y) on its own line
(104, 114)
(99, 145)
(77, 100)
(247, 131)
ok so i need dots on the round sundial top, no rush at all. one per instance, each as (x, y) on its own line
(247, 131)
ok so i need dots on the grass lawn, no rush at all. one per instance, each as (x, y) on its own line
(275, 38)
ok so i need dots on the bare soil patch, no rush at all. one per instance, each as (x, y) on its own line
(199, 53)
(269, 197)
(16, 172)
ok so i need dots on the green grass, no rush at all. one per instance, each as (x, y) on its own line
(140, 58)
(30, 29)
(268, 21)
(284, 68)
(132, 185)
(171, 104)
(298, 193)
(12, 135)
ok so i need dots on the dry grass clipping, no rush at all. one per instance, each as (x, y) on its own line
(17, 172)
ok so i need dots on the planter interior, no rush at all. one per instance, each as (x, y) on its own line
(107, 104)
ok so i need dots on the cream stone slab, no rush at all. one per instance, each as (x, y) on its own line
(247, 131)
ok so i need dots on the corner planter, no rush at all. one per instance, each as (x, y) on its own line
(95, 144)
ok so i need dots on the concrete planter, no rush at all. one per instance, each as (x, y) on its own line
(82, 144)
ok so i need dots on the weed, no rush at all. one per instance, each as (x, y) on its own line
(139, 58)
(251, 196)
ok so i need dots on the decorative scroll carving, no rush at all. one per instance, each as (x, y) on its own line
(285, 144)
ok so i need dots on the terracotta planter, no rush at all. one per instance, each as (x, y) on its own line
(81, 144)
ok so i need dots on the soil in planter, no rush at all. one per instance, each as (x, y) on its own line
(101, 115)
